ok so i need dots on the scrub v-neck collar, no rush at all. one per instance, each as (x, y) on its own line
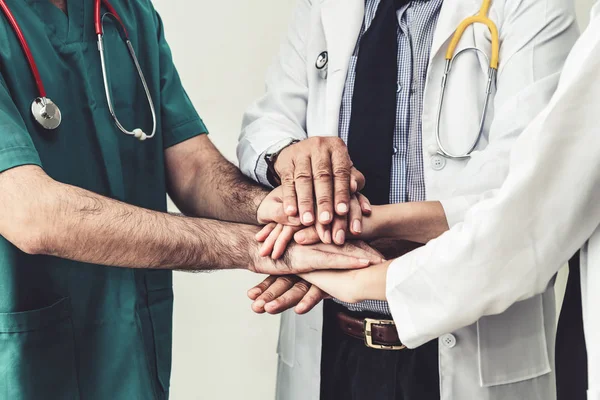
(63, 28)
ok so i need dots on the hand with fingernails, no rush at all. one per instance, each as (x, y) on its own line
(317, 182)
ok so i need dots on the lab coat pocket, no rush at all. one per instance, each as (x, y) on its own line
(512, 345)
(160, 306)
(286, 347)
(37, 354)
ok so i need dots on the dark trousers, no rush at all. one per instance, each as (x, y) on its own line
(571, 354)
(352, 371)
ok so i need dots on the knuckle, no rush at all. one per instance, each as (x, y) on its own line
(268, 296)
(262, 286)
(317, 140)
(324, 200)
(322, 174)
(303, 286)
(286, 280)
(305, 201)
(302, 176)
(337, 142)
(341, 171)
(287, 180)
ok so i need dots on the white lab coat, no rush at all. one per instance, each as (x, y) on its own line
(503, 357)
(513, 242)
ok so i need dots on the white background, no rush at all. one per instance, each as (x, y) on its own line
(222, 49)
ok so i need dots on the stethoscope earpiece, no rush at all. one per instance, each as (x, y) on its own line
(139, 134)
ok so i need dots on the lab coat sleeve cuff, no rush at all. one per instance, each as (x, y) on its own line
(12, 157)
(397, 275)
(262, 170)
(593, 394)
(456, 208)
(184, 131)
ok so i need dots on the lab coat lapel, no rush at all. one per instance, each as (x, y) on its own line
(451, 15)
(342, 21)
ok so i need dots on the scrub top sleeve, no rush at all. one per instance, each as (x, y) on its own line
(180, 121)
(16, 146)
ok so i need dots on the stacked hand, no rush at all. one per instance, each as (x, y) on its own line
(318, 179)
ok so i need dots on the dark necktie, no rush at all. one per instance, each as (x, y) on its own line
(571, 353)
(373, 117)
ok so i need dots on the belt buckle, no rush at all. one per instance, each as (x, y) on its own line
(369, 322)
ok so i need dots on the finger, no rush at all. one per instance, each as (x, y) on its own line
(261, 287)
(262, 235)
(361, 249)
(278, 215)
(303, 180)
(371, 250)
(284, 238)
(279, 287)
(338, 229)
(355, 216)
(357, 180)
(310, 300)
(288, 299)
(321, 260)
(341, 180)
(269, 243)
(324, 232)
(307, 236)
(322, 175)
(365, 204)
(288, 187)
(352, 249)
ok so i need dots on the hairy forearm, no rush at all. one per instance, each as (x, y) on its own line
(417, 222)
(73, 223)
(203, 183)
(227, 194)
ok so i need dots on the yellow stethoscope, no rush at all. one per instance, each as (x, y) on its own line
(481, 18)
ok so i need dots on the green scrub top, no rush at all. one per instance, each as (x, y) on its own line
(70, 330)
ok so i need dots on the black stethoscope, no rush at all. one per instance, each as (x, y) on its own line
(44, 110)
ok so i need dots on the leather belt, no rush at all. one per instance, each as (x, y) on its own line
(378, 334)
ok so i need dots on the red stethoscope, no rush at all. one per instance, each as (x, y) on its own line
(44, 110)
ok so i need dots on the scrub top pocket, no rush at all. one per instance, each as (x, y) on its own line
(37, 354)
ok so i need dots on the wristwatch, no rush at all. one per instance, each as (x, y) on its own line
(271, 157)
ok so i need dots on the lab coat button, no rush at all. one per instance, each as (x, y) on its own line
(448, 340)
(438, 163)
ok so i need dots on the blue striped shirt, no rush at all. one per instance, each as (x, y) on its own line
(417, 21)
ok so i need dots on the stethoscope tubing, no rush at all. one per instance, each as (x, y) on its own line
(26, 50)
(40, 105)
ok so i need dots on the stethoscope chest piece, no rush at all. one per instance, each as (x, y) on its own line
(322, 63)
(46, 113)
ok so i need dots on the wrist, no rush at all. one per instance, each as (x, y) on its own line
(380, 222)
(373, 282)
(393, 221)
(260, 196)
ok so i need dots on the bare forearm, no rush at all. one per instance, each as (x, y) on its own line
(227, 194)
(415, 221)
(73, 223)
(203, 183)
